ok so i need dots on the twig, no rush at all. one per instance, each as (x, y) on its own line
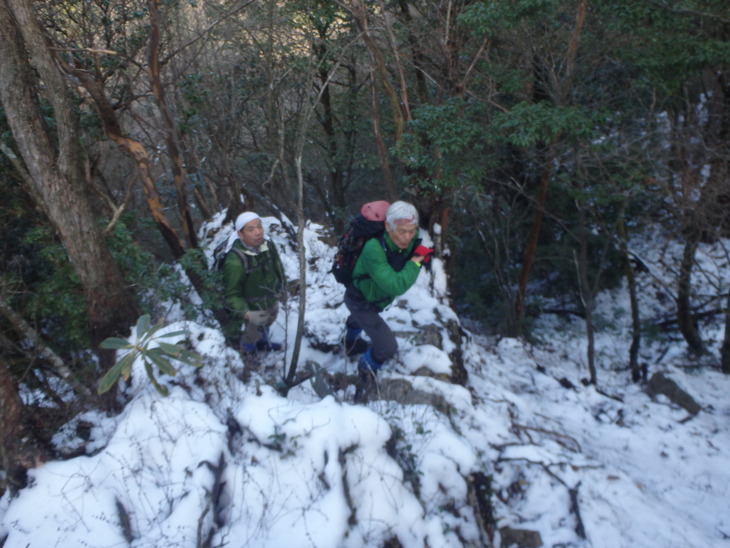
(576, 448)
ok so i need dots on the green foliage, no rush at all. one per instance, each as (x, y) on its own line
(53, 296)
(490, 17)
(194, 262)
(485, 278)
(445, 146)
(529, 124)
(668, 46)
(38, 280)
(145, 344)
(160, 284)
(135, 262)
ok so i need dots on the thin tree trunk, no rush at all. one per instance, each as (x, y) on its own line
(684, 307)
(170, 127)
(398, 104)
(725, 350)
(302, 271)
(563, 90)
(137, 152)
(390, 188)
(586, 293)
(24, 329)
(636, 374)
(336, 173)
(528, 257)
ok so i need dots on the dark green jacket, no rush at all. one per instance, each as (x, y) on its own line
(374, 276)
(252, 286)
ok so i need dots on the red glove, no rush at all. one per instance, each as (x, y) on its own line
(423, 251)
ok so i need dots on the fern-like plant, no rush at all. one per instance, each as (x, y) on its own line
(161, 355)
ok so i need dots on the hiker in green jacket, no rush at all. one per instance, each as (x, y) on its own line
(253, 278)
(385, 269)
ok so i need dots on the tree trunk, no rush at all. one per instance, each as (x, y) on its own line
(684, 306)
(528, 257)
(398, 104)
(55, 175)
(170, 127)
(586, 293)
(725, 350)
(563, 88)
(636, 373)
(336, 173)
(41, 348)
(18, 449)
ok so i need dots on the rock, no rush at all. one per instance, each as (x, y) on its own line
(519, 538)
(661, 384)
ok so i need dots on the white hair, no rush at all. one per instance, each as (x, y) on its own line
(401, 211)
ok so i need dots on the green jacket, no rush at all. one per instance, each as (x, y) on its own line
(374, 276)
(253, 286)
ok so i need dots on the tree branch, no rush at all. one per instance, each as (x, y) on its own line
(27, 331)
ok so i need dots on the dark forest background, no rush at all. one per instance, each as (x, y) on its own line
(539, 136)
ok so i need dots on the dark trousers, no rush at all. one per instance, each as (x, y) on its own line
(366, 316)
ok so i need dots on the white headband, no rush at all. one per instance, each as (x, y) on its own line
(245, 218)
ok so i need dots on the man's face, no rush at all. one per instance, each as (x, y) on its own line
(401, 232)
(252, 233)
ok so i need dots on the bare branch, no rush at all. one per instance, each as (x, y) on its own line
(26, 330)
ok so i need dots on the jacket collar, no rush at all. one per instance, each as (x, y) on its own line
(250, 251)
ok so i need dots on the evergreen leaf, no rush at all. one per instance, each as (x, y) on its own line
(115, 343)
(143, 325)
(162, 362)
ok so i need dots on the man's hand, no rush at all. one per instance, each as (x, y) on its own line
(258, 317)
(424, 253)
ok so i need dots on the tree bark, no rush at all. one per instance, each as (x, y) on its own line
(18, 448)
(170, 127)
(528, 256)
(725, 349)
(56, 176)
(636, 373)
(684, 300)
(563, 90)
(398, 104)
(42, 349)
(586, 293)
(137, 152)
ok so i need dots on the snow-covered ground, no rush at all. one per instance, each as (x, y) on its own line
(222, 462)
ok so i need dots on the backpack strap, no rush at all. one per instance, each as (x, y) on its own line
(273, 259)
(396, 259)
(244, 259)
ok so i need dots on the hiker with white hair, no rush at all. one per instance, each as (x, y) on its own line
(386, 268)
(253, 278)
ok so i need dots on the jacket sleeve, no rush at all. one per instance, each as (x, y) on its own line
(234, 278)
(389, 282)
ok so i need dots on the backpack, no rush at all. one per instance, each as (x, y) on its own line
(219, 256)
(351, 244)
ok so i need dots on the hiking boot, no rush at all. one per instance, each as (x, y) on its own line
(369, 363)
(264, 344)
(355, 347)
(249, 348)
(268, 346)
(367, 369)
(366, 385)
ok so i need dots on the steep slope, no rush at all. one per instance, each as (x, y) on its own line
(468, 442)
